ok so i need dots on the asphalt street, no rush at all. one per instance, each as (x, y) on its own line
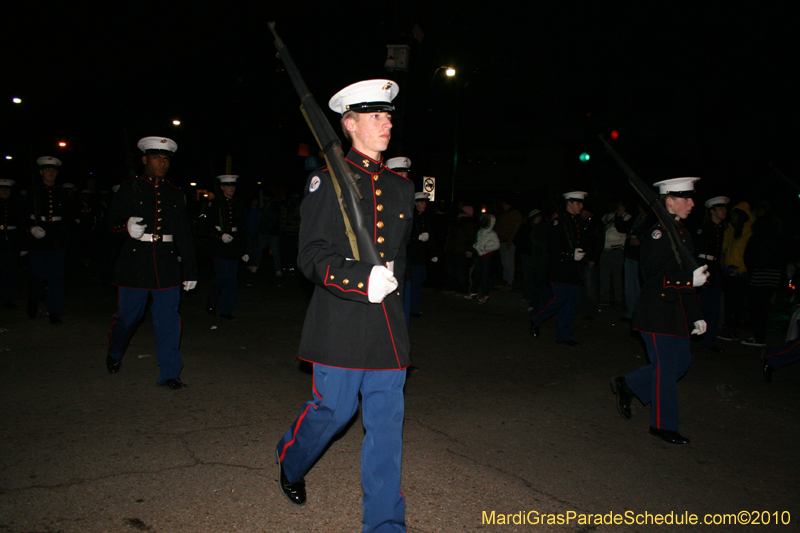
(499, 428)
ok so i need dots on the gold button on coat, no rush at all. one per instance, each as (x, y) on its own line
(345, 281)
(380, 207)
(360, 285)
(378, 192)
(380, 224)
(380, 240)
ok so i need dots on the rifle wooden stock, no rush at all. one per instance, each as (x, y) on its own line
(682, 254)
(332, 147)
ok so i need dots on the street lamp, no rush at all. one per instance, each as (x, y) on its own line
(16, 100)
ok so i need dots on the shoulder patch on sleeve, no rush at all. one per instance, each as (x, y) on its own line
(315, 183)
(656, 234)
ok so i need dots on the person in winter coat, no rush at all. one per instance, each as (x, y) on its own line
(486, 244)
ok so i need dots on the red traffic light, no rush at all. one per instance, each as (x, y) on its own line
(614, 134)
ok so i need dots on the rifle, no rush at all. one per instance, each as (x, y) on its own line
(350, 195)
(682, 255)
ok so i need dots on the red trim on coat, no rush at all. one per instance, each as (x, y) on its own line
(391, 335)
(325, 282)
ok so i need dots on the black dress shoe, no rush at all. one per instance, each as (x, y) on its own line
(624, 396)
(569, 343)
(767, 371)
(173, 384)
(671, 437)
(113, 364)
(294, 492)
(211, 310)
(55, 320)
(227, 316)
(534, 329)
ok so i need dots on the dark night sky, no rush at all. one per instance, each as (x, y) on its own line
(701, 91)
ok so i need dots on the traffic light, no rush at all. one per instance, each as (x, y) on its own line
(584, 157)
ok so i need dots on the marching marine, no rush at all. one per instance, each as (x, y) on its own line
(228, 245)
(355, 333)
(149, 214)
(10, 241)
(49, 211)
(667, 313)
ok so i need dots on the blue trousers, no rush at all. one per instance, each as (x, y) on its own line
(47, 269)
(784, 355)
(657, 382)
(225, 285)
(562, 303)
(166, 326)
(335, 401)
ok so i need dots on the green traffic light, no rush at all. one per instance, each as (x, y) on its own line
(584, 157)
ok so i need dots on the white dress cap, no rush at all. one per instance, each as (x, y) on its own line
(157, 144)
(717, 200)
(399, 163)
(228, 178)
(421, 196)
(365, 97)
(676, 186)
(7, 183)
(575, 195)
(68, 185)
(48, 161)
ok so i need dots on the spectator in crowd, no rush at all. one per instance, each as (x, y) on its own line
(507, 226)
(612, 258)
(765, 257)
(486, 244)
(590, 265)
(635, 229)
(734, 270)
(460, 238)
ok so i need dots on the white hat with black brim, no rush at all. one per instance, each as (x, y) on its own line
(681, 187)
(366, 96)
(157, 145)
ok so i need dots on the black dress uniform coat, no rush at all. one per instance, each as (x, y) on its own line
(50, 208)
(561, 264)
(708, 245)
(226, 216)
(668, 302)
(342, 329)
(10, 226)
(152, 265)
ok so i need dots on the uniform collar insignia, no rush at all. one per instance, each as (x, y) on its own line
(365, 162)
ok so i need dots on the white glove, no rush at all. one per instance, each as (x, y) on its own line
(136, 230)
(381, 283)
(245, 258)
(579, 254)
(226, 238)
(434, 259)
(189, 285)
(23, 253)
(424, 236)
(38, 232)
(700, 276)
(699, 327)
